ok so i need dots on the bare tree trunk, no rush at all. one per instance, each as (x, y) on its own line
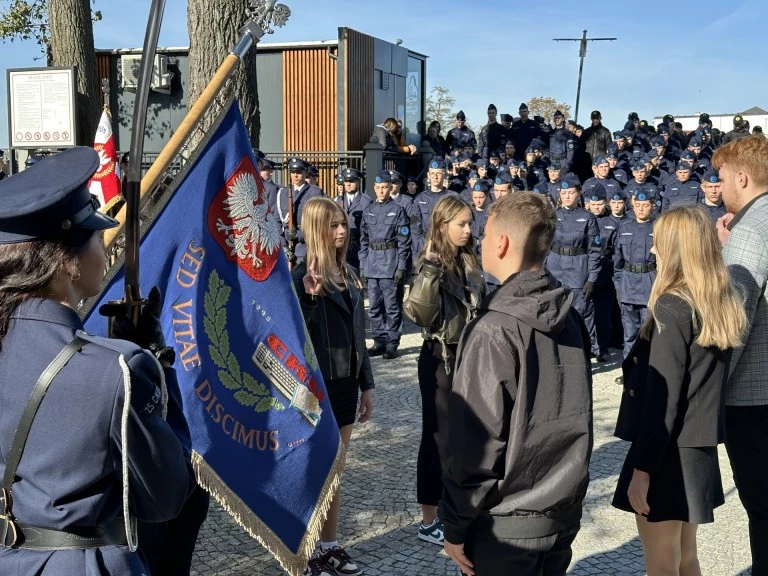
(213, 30)
(72, 45)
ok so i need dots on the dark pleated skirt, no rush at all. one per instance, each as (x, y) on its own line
(688, 486)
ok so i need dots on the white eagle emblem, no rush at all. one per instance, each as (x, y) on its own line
(253, 225)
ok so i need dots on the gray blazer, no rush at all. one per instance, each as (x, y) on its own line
(746, 255)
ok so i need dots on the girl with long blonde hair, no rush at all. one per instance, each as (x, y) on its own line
(331, 299)
(674, 379)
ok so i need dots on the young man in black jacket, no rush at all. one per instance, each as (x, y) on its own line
(520, 412)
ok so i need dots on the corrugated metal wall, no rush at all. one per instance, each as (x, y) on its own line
(359, 78)
(309, 100)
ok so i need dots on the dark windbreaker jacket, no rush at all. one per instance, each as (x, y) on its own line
(520, 435)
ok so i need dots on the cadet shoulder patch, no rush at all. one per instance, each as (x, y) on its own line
(404, 231)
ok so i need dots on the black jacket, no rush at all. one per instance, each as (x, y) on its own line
(520, 413)
(673, 389)
(596, 141)
(334, 329)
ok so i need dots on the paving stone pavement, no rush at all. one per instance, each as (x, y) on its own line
(379, 513)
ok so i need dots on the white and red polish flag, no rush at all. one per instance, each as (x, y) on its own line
(106, 183)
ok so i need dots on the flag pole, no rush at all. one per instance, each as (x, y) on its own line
(264, 13)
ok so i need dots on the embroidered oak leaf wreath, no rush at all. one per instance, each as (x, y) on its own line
(247, 390)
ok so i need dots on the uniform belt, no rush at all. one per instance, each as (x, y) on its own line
(605, 252)
(641, 268)
(33, 537)
(384, 245)
(569, 250)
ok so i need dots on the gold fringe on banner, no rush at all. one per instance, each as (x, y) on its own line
(293, 563)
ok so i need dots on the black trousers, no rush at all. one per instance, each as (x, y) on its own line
(544, 556)
(747, 444)
(168, 546)
(435, 387)
(604, 298)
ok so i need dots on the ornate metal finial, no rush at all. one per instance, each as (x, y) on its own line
(266, 13)
(105, 87)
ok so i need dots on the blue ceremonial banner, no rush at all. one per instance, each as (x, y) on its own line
(265, 441)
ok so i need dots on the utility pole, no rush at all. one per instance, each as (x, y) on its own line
(582, 54)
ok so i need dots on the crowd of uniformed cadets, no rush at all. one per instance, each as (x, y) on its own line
(607, 188)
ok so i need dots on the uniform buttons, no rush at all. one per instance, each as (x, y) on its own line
(632, 393)
(634, 359)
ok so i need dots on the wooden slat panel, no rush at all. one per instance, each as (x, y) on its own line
(358, 57)
(309, 106)
(102, 71)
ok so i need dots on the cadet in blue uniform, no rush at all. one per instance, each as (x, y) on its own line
(524, 130)
(385, 246)
(604, 295)
(574, 258)
(602, 171)
(554, 171)
(353, 202)
(103, 442)
(460, 137)
(266, 169)
(562, 144)
(712, 195)
(425, 201)
(302, 192)
(681, 189)
(479, 212)
(635, 267)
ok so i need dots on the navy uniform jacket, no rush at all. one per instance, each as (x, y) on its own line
(554, 190)
(70, 474)
(633, 246)
(354, 211)
(300, 197)
(576, 229)
(611, 186)
(523, 134)
(460, 138)
(489, 139)
(608, 227)
(478, 227)
(270, 188)
(384, 224)
(714, 211)
(562, 145)
(425, 203)
(676, 192)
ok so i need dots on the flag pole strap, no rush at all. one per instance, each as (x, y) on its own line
(263, 14)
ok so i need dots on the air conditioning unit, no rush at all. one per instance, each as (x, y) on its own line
(161, 77)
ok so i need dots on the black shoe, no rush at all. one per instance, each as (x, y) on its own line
(376, 350)
(390, 353)
(619, 380)
(601, 357)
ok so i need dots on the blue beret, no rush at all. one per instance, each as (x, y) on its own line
(352, 174)
(688, 155)
(384, 177)
(473, 174)
(662, 129)
(530, 150)
(638, 164)
(657, 142)
(618, 195)
(683, 166)
(570, 180)
(643, 196)
(541, 188)
(695, 141)
(438, 164)
(523, 165)
(481, 163)
(618, 135)
(297, 165)
(494, 154)
(51, 200)
(597, 193)
(503, 178)
(481, 186)
(711, 176)
(599, 160)
(555, 166)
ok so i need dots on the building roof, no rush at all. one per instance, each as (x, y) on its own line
(754, 111)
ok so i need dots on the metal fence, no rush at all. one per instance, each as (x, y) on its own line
(328, 164)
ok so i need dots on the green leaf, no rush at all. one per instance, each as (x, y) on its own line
(210, 306)
(216, 356)
(246, 398)
(224, 343)
(254, 385)
(234, 368)
(228, 381)
(277, 405)
(220, 320)
(264, 405)
(210, 331)
(223, 296)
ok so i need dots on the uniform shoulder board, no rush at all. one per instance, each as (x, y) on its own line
(123, 347)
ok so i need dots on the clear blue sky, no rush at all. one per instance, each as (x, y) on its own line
(680, 57)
